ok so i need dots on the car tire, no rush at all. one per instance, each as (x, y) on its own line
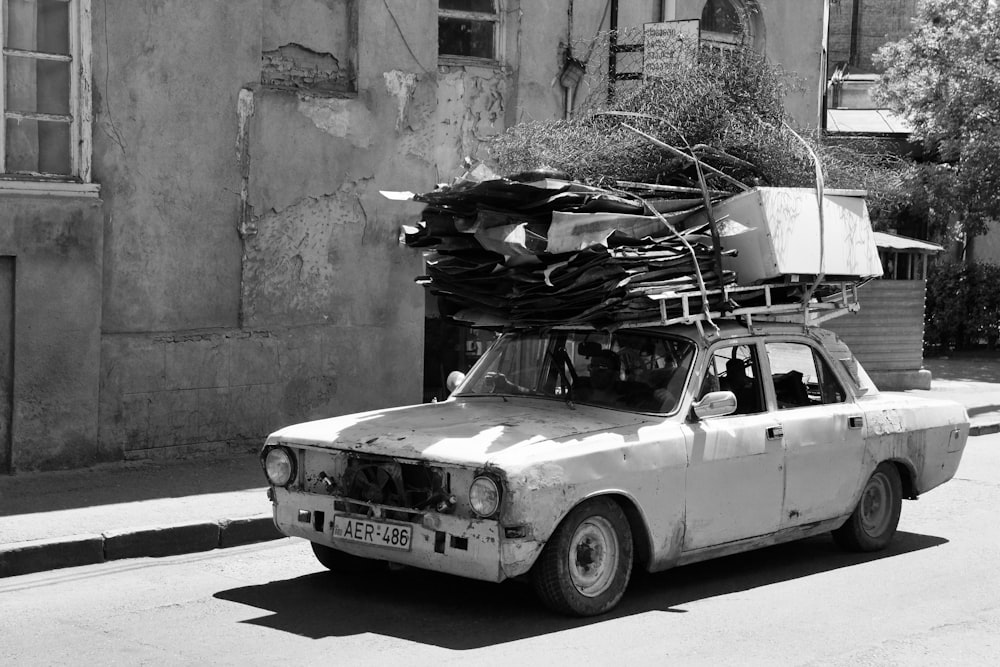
(339, 561)
(586, 564)
(873, 523)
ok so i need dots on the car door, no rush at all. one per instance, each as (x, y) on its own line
(822, 429)
(735, 479)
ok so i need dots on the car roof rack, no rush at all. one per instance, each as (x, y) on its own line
(765, 303)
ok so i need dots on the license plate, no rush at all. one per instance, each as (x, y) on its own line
(392, 535)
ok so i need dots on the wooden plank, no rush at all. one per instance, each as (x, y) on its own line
(886, 334)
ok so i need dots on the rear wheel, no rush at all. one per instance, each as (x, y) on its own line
(338, 561)
(586, 564)
(873, 523)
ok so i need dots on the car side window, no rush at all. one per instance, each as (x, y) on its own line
(735, 368)
(802, 377)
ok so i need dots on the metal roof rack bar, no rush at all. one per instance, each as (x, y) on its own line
(815, 311)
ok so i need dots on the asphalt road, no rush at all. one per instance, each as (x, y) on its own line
(932, 599)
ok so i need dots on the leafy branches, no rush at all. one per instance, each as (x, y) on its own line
(728, 108)
(945, 79)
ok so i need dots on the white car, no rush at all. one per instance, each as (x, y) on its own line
(568, 457)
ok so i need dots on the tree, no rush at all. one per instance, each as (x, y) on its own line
(945, 79)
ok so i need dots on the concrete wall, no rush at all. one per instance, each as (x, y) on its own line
(254, 275)
(788, 32)
(53, 318)
(241, 271)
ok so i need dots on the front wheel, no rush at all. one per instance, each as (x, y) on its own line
(874, 520)
(586, 564)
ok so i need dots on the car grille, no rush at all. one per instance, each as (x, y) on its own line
(362, 483)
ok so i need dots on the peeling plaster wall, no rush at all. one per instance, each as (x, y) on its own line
(329, 320)
(255, 278)
(296, 68)
(252, 274)
(470, 111)
(310, 45)
(164, 127)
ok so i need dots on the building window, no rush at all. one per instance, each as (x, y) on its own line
(856, 31)
(469, 29)
(727, 23)
(45, 132)
(721, 16)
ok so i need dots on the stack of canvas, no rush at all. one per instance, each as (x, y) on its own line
(528, 250)
(525, 250)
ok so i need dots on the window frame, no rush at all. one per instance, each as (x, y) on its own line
(728, 41)
(826, 374)
(753, 363)
(79, 118)
(496, 18)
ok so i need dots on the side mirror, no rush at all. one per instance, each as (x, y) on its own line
(455, 378)
(715, 404)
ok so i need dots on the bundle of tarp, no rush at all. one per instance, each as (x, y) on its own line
(535, 249)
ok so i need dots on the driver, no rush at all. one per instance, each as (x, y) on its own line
(604, 368)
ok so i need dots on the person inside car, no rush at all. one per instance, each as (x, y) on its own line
(605, 387)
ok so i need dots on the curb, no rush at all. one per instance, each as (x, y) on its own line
(172, 540)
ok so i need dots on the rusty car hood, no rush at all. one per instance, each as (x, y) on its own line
(470, 431)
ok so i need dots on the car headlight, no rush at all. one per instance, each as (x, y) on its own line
(484, 496)
(279, 466)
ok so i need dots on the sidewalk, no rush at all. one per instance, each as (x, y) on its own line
(143, 509)
(59, 519)
(972, 379)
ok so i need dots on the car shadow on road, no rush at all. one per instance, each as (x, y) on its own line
(461, 614)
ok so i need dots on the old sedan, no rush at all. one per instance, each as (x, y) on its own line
(570, 456)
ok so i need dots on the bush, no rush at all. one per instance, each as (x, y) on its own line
(963, 306)
(725, 107)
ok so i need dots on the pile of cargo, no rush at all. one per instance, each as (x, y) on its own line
(534, 249)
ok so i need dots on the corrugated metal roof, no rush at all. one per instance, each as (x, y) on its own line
(893, 242)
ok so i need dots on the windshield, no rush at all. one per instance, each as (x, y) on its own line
(628, 370)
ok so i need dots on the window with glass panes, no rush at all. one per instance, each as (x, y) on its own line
(468, 29)
(42, 131)
(726, 24)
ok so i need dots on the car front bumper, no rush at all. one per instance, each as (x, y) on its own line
(440, 542)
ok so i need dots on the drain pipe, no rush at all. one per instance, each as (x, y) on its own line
(824, 56)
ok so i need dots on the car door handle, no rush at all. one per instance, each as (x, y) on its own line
(775, 433)
(855, 422)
